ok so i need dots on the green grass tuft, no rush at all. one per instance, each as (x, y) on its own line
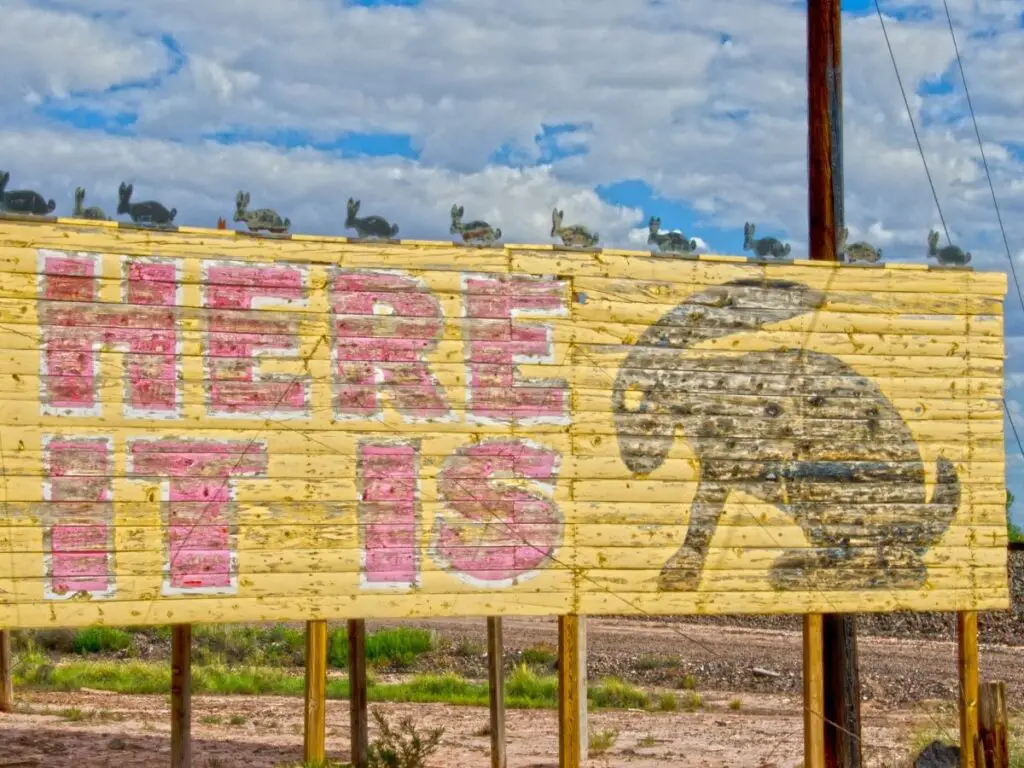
(100, 640)
(601, 741)
(613, 693)
(398, 647)
(540, 655)
(667, 702)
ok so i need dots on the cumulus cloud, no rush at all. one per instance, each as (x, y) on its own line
(702, 100)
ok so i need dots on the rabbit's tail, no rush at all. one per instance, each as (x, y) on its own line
(173, 212)
(5, 176)
(394, 230)
(287, 223)
(497, 234)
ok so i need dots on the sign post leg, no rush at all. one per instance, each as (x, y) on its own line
(496, 679)
(358, 715)
(181, 696)
(314, 745)
(814, 693)
(967, 663)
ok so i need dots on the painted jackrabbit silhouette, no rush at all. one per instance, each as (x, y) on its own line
(574, 236)
(259, 219)
(81, 212)
(951, 255)
(23, 200)
(669, 242)
(475, 231)
(817, 440)
(149, 212)
(369, 226)
(765, 246)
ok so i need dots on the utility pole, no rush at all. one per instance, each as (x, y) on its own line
(826, 220)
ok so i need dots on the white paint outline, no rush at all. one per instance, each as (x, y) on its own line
(164, 484)
(259, 353)
(528, 318)
(550, 487)
(179, 343)
(451, 417)
(97, 347)
(48, 522)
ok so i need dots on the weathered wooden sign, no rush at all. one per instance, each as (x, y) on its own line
(200, 426)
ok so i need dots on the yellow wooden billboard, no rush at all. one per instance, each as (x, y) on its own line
(201, 426)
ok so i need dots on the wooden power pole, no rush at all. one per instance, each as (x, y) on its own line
(826, 220)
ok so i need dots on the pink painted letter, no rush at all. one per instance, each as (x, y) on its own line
(384, 324)
(78, 517)
(496, 390)
(388, 476)
(75, 326)
(500, 532)
(238, 333)
(198, 490)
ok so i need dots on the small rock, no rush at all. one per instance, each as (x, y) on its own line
(938, 755)
(116, 744)
(760, 672)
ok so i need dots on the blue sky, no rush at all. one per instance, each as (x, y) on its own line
(615, 110)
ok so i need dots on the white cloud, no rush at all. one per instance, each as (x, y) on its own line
(52, 53)
(717, 125)
(309, 187)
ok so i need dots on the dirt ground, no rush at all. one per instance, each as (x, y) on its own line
(909, 687)
(133, 731)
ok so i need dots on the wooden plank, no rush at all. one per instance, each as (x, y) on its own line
(814, 692)
(6, 673)
(315, 720)
(181, 696)
(993, 725)
(358, 713)
(542, 484)
(572, 692)
(496, 692)
(967, 665)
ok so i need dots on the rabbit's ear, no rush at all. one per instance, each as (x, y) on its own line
(248, 197)
(239, 200)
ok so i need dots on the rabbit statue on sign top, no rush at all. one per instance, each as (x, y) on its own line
(261, 218)
(859, 252)
(23, 200)
(765, 246)
(951, 255)
(575, 236)
(368, 226)
(477, 232)
(148, 213)
(668, 242)
(81, 212)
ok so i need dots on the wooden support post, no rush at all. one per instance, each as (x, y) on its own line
(814, 693)
(993, 727)
(826, 219)
(358, 718)
(6, 679)
(181, 696)
(314, 747)
(496, 689)
(572, 691)
(967, 662)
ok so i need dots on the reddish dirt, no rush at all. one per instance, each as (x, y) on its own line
(901, 677)
(133, 732)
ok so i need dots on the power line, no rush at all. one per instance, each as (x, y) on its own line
(913, 126)
(981, 148)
